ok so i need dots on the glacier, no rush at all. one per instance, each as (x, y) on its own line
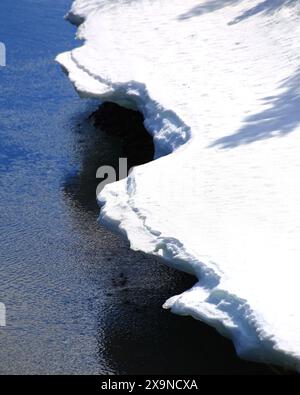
(218, 84)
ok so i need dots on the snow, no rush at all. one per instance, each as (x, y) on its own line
(218, 83)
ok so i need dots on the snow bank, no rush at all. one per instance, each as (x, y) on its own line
(218, 83)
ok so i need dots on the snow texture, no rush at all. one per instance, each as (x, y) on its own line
(218, 83)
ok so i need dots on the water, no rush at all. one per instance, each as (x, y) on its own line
(78, 300)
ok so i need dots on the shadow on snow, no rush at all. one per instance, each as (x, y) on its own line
(205, 8)
(280, 118)
(265, 7)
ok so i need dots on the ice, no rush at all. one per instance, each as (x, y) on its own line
(218, 83)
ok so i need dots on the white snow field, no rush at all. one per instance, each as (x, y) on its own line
(218, 83)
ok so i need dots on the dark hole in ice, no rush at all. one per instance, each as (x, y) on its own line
(128, 125)
(111, 132)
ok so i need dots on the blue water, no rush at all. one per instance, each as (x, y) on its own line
(78, 300)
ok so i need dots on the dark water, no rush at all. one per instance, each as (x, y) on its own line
(78, 300)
